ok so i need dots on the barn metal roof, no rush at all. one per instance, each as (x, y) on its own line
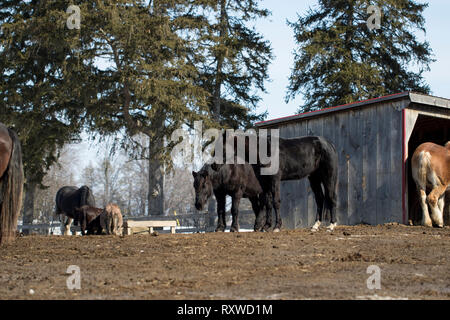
(413, 97)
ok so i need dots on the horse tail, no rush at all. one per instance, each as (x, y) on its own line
(424, 164)
(329, 169)
(11, 187)
(86, 197)
(58, 211)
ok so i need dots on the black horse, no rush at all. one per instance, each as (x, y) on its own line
(312, 157)
(70, 198)
(238, 181)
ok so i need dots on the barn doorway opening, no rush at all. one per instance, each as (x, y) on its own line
(426, 129)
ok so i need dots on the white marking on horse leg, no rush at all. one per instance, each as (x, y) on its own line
(276, 230)
(434, 199)
(316, 226)
(67, 226)
(437, 215)
(331, 227)
(426, 220)
(441, 203)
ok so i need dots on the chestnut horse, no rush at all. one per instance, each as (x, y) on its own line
(431, 168)
(11, 183)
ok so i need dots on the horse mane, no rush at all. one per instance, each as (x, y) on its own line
(11, 188)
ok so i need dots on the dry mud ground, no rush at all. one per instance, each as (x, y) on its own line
(414, 263)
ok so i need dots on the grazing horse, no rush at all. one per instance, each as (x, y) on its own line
(89, 218)
(69, 198)
(11, 183)
(238, 181)
(111, 219)
(430, 165)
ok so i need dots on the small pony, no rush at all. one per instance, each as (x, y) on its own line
(111, 219)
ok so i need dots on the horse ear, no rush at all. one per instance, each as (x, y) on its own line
(194, 174)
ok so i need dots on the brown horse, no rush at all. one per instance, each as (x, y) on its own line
(431, 168)
(11, 183)
(89, 218)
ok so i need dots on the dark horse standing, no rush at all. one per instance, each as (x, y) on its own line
(238, 181)
(70, 198)
(11, 183)
(312, 157)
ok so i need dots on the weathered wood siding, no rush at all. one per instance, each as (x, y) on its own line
(369, 145)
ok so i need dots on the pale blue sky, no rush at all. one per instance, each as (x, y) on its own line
(281, 36)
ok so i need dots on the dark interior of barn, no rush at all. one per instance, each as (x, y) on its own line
(426, 129)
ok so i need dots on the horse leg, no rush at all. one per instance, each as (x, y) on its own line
(83, 223)
(276, 206)
(316, 187)
(437, 215)
(257, 206)
(67, 226)
(221, 222)
(235, 212)
(267, 201)
(426, 220)
(441, 204)
(329, 182)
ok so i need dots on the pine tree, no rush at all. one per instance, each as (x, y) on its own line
(40, 91)
(148, 86)
(340, 60)
(232, 58)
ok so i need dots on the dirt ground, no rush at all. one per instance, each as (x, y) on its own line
(414, 264)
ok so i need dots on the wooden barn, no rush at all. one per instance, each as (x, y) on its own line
(375, 140)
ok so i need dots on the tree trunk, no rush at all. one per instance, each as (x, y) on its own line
(156, 188)
(156, 172)
(211, 220)
(28, 206)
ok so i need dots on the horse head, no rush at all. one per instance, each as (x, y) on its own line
(203, 188)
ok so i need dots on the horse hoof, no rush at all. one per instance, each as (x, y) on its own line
(331, 227)
(428, 224)
(276, 230)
